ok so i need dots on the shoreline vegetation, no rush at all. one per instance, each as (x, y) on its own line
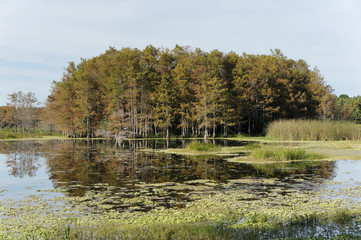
(313, 140)
(282, 130)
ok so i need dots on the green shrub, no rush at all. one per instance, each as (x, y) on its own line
(314, 130)
(204, 147)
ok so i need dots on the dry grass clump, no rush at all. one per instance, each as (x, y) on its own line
(313, 130)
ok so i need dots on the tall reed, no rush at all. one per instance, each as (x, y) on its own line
(313, 130)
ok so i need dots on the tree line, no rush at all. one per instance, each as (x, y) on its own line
(349, 108)
(186, 92)
(22, 112)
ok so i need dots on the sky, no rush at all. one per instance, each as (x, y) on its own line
(38, 38)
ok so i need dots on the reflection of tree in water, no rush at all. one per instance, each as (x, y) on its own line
(91, 162)
(88, 163)
(318, 169)
(101, 162)
(23, 158)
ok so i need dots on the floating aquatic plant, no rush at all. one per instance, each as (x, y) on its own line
(221, 215)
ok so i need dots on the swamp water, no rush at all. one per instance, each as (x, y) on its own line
(132, 178)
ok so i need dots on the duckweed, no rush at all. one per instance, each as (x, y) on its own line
(226, 215)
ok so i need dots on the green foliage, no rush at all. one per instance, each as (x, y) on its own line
(349, 108)
(204, 147)
(313, 130)
(283, 154)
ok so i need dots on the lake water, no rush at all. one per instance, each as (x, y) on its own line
(128, 172)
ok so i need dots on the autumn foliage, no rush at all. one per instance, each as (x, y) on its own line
(186, 92)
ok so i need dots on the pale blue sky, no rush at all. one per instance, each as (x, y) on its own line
(39, 37)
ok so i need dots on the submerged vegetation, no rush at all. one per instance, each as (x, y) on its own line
(269, 153)
(315, 130)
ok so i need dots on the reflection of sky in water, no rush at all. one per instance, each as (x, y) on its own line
(18, 187)
(347, 176)
(348, 170)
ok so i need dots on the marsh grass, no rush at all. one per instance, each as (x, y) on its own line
(313, 130)
(342, 216)
(203, 147)
(156, 231)
(283, 154)
(252, 146)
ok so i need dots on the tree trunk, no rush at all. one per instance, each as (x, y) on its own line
(205, 133)
(225, 128)
(87, 127)
(184, 127)
(249, 123)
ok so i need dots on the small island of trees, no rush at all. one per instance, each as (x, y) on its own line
(185, 92)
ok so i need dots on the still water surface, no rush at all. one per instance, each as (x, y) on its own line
(129, 172)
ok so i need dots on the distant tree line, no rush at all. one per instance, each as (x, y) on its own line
(183, 91)
(349, 108)
(22, 112)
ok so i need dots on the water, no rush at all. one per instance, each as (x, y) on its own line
(128, 172)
